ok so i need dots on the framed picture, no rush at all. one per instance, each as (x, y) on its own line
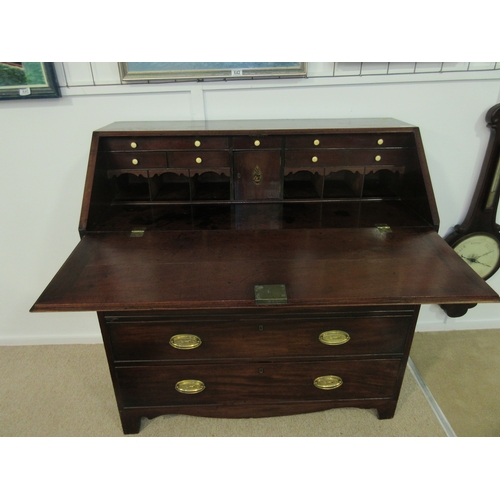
(175, 71)
(28, 80)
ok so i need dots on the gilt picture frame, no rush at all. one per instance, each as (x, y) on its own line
(28, 80)
(198, 71)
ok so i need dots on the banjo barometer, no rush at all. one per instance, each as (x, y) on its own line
(477, 239)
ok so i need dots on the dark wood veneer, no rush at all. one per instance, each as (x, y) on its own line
(179, 222)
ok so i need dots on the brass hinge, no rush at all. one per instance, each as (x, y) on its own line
(270, 294)
(137, 233)
(384, 228)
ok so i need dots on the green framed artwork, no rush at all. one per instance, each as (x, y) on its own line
(175, 71)
(28, 80)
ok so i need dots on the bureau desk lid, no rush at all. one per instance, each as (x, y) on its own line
(218, 269)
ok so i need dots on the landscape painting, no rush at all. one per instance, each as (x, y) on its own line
(24, 80)
(168, 71)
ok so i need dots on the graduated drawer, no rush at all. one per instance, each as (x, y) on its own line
(141, 341)
(136, 160)
(318, 141)
(165, 143)
(257, 142)
(199, 159)
(257, 382)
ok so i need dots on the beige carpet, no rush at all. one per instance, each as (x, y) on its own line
(462, 371)
(66, 391)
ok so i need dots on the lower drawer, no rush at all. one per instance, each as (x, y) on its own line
(257, 382)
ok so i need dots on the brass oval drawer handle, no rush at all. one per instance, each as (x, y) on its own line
(197, 144)
(314, 159)
(328, 382)
(198, 160)
(185, 341)
(334, 337)
(133, 145)
(135, 161)
(190, 386)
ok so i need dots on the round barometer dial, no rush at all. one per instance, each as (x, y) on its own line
(481, 251)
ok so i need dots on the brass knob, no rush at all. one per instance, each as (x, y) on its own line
(185, 341)
(328, 382)
(380, 142)
(190, 386)
(316, 142)
(257, 143)
(198, 160)
(378, 158)
(334, 337)
(314, 159)
(133, 145)
(197, 144)
(135, 161)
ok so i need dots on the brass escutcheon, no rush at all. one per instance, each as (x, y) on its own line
(257, 175)
(185, 341)
(328, 382)
(334, 337)
(190, 386)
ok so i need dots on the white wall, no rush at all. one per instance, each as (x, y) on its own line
(44, 149)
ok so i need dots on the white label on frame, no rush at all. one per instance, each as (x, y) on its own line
(26, 91)
(236, 72)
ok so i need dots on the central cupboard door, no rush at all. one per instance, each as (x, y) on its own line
(257, 175)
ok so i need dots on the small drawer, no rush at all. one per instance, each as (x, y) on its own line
(139, 160)
(319, 141)
(309, 158)
(131, 143)
(161, 143)
(196, 143)
(252, 383)
(265, 338)
(358, 157)
(199, 159)
(257, 142)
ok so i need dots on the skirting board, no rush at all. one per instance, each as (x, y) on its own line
(33, 339)
(95, 336)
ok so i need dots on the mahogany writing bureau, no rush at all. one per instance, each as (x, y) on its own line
(250, 269)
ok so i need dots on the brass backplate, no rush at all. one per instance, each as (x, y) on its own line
(257, 175)
(270, 294)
